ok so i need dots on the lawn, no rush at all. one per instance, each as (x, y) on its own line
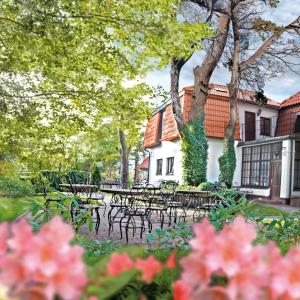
(265, 210)
(11, 208)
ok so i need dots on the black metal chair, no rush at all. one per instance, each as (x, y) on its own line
(136, 214)
(168, 195)
(205, 203)
(118, 205)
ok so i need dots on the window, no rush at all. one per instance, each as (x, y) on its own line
(160, 127)
(265, 126)
(256, 164)
(297, 125)
(297, 167)
(170, 166)
(159, 166)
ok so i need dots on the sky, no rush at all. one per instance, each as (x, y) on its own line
(278, 89)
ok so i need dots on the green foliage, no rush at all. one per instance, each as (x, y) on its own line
(67, 105)
(95, 174)
(96, 248)
(176, 236)
(194, 149)
(12, 208)
(127, 285)
(284, 230)
(15, 187)
(227, 162)
(260, 98)
(62, 205)
(187, 187)
(235, 203)
(206, 186)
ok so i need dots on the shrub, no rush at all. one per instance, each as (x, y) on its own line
(15, 187)
(95, 174)
(194, 149)
(227, 162)
(206, 186)
(221, 264)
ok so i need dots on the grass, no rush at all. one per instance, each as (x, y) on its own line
(265, 210)
(11, 208)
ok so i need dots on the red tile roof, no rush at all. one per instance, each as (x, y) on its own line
(295, 99)
(216, 114)
(287, 115)
(150, 137)
(144, 165)
(169, 130)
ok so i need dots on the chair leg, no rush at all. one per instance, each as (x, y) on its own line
(126, 229)
(120, 224)
(142, 227)
(104, 208)
(109, 221)
(98, 220)
(162, 219)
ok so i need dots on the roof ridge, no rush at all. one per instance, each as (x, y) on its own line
(284, 102)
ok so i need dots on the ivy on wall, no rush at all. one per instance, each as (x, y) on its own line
(194, 149)
(227, 162)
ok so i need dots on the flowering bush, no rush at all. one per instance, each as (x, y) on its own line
(42, 265)
(221, 265)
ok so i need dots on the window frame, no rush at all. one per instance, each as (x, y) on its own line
(170, 171)
(159, 170)
(265, 158)
(296, 167)
(264, 126)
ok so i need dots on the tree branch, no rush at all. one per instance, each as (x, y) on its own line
(266, 45)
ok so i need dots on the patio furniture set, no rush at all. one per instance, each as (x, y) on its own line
(139, 208)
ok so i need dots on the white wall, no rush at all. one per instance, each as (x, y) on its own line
(215, 150)
(169, 149)
(265, 112)
(237, 177)
(165, 150)
(287, 157)
(294, 194)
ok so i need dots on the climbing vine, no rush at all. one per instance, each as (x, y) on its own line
(227, 162)
(194, 149)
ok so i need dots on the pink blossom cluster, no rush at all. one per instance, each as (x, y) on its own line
(226, 265)
(149, 267)
(41, 265)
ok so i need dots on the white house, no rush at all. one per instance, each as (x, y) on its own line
(267, 143)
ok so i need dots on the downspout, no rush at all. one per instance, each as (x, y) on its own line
(148, 174)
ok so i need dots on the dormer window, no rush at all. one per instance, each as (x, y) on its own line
(160, 126)
(220, 90)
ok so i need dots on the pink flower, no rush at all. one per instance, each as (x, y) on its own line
(45, 259)
(211, 293)
(4, 234)
(195, 270)
(286, 277)
(21, 237)
(171, 261)
(149, 268)
(181, 290)
(119, 263)
(204, 236)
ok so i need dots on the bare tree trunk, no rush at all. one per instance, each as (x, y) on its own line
(233, 86)
(176, 66)
(136, 169)
(203, 73)
(124, 152)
